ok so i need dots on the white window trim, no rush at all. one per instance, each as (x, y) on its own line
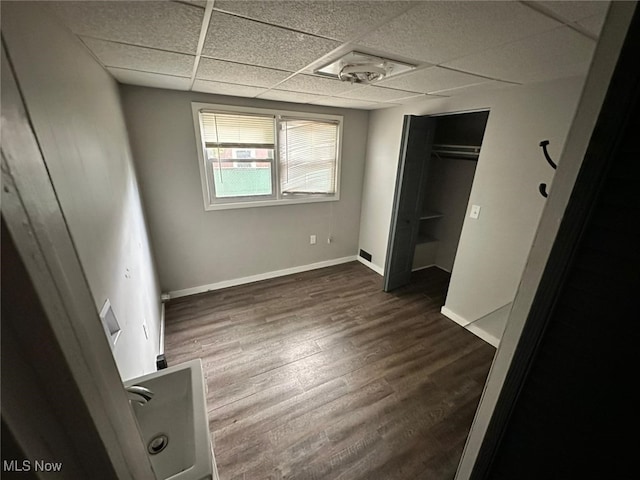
(197, 107)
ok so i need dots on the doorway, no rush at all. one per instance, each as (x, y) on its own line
(437, 164)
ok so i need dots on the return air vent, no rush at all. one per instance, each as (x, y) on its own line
(365, 255)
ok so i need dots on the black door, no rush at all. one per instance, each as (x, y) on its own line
(415, 150)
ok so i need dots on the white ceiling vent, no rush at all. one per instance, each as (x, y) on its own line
(356, 67)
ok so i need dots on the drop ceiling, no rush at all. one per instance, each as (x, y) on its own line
(270, 49)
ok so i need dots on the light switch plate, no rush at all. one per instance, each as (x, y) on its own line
(475, 211)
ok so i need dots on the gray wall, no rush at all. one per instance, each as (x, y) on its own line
(493, 249)
(75, 109)
(195, 247)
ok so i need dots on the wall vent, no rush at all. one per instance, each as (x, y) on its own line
(365, 255)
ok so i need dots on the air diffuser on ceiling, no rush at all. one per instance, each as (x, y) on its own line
(356, 67)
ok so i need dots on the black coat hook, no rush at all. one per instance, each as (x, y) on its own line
(542, 188)
(544, 144)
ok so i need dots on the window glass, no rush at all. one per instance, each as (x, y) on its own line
(233, 178)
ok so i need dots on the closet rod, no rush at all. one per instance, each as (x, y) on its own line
(467, 152)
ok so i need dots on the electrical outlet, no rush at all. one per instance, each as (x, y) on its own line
(475, 211)
(312, 239)
(329, 239)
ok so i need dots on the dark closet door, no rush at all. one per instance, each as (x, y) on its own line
(415, 150)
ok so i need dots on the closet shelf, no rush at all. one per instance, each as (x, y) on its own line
(428, 215)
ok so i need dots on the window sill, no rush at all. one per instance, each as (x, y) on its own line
(270, 203)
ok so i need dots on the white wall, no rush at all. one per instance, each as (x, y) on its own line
(196, 248)
(493, 249)
(75, 109)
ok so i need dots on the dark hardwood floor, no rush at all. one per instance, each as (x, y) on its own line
(322, 375)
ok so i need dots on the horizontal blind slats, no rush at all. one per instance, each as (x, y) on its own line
(223, 128)
(308, 150)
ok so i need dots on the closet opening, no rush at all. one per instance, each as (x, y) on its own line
(438, 159)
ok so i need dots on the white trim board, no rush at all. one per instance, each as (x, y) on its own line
(261, 276)
(474, 327)
(429, 266)
(451, 315)
(161, 343)
(372, 266)
(417, 269)
(484, 335)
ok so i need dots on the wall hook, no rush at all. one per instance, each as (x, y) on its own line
(544, 144)
(542, 188)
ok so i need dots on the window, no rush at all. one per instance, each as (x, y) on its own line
(255, 157)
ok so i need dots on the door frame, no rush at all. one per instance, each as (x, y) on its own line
(37, 225)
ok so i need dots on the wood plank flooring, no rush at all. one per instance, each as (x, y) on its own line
(322, 375)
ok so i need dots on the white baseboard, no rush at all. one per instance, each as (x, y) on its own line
(261, 276)
(454, 316)
(417, 269)
(484, 335)
(161, 344)
(429, 266)
(372, 266)
(472, 326)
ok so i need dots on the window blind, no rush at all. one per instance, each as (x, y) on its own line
(237, 130)
(308, 156)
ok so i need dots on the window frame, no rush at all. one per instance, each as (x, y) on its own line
(277, 198)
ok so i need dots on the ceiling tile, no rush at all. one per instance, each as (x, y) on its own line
(379, 94)
(418, 99)
(380, 106)
(317, 85)
(340, 20)
(146, 79)
(226, 88)
(230, 72)
(437, 32)
(576, 10)
(165, 25)
(245, 41)
(345, 103)
(139, 58)
(284, 96)
(199, 3)
(487, 86)
(593, 24)
(432, 79)
(556, 54)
